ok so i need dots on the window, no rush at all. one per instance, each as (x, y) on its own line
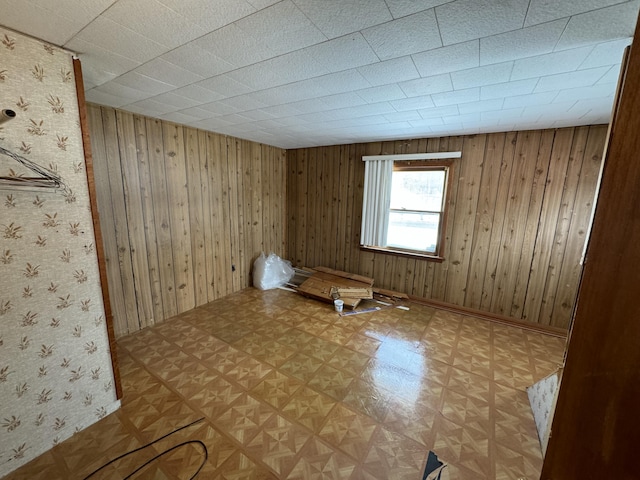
(404, 202)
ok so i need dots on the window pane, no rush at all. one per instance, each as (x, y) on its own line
(421, 190)
(413, 231)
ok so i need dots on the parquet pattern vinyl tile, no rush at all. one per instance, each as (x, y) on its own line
(285, 388)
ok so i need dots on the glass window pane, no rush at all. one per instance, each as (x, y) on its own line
(421, 190)
(413, 231)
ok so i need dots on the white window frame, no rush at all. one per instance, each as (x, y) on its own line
(377, 199)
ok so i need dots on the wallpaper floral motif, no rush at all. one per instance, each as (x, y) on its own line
(55, 371)
(542, 397)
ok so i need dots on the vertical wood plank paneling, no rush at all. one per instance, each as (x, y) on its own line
(126, 137)
(570, 271)
(532, 224)
(146, 200)
(508, 231)
(114, 170)
(278, 204)
(560, 240)
(234, 208)
(208, 214)
(549, 218)
(489, 179)
(196, 215)
(178, 208)
(178, 198)
(516, 212)
(502, 201)
(107, 220)
(464, 218)
(161, 214)
(219, 181)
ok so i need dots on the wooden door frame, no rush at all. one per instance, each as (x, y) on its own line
(596, 427)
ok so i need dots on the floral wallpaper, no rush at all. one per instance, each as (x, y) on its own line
(56, 376)
(542, 396)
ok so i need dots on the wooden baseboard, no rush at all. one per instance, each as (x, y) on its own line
(492, 317)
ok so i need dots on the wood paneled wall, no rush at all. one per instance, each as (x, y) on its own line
(518, 216)
(184, 213)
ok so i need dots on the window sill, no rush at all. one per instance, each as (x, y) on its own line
(404, 253)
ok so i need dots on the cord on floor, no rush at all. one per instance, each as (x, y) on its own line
(204, 449)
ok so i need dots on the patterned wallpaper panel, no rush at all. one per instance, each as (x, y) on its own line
(55, 371)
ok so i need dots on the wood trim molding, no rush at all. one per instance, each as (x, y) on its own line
(492, 317)
(596, 426)
(86, 143)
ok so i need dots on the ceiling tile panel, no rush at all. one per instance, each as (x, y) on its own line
(501, 90)
(487, 75)
(198, 93)
(178, 101)
(529, 100)
(541, 11)
(407, 35)
(211, 15)
(335, 18)
(131, 95)
(610, 23)
(402, 8)
(551, 63)
(282, 27)
(413, 103)
(427, 85)
(99, 59)
(340, 82)
(41, 20)
(579, 78)
(448, 59)
(225, 86)
(343, 53)
(464, 20)
(235, 46)
(609, 53)
(197, 60)
(611, 77)
(111, 36)
(403, 116)
(594, 91)
(308, 72)
(456, 97)
(143, 83)
(482, 105)
(390, 71)
(169, 73)
(381, 94)
(439, 111)
(522, 43)
(155, 21)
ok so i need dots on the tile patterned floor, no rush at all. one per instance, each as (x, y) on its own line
(290, 390)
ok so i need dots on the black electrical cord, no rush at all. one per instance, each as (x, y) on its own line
(204, 447)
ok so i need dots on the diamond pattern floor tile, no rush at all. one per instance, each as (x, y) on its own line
(287, 388)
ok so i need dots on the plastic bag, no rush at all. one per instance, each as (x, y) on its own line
(271, 272)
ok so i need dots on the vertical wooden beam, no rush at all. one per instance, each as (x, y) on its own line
(88, 158)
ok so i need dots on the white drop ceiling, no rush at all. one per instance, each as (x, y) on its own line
(299, 73)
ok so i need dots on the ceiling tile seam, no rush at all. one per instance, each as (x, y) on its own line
(435, 14)
(564, 30)
(93, 20)
(526, 14)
